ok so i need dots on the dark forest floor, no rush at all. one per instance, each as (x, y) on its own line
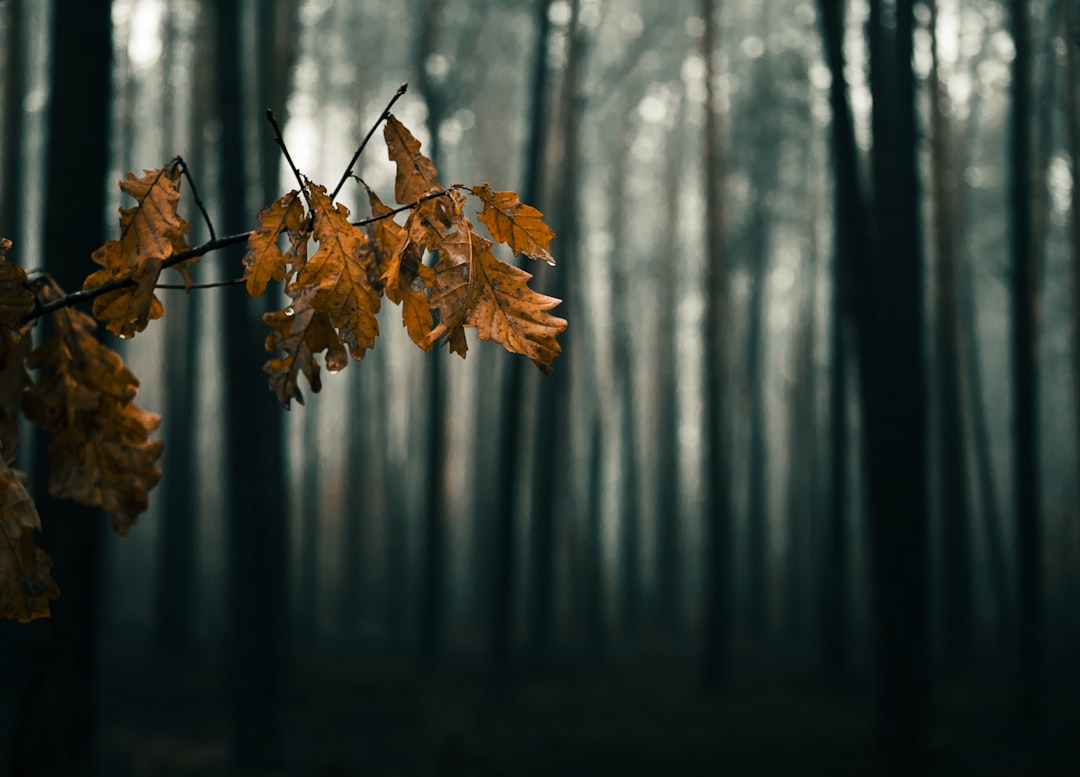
(363, 715)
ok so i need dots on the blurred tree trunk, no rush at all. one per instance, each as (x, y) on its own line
(669, 594)
(891, 358)
(507, 479)
(758, 238)
(717, 595)
(11, 199)
(992, 523)
(1024, 366)
(14, 94)
(365, 493)
(851, 219)
(397, 598)
(277, 25)
(432, 627)
(974, 399)
(629, 543)
(596, 632)
(174, 612)
(56, 722)
(306, 616)
(257, 525)
(952, 475)
(802, 498)
(1069, 23)
(554, 390)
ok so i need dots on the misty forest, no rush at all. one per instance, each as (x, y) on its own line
(770, 466)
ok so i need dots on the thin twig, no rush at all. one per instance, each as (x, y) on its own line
(195, 195)
(363, 144)
(288, 157)
(85, 295)
(209, 285)
(402, 208)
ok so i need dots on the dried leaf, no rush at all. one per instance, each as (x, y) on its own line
(13, 382)
(25, 582)
(387, 236)
(518, 225)
(264, 260)
(150, 233)
(405, 278)
(454, 289)
(16, 302)
(101, 453)
(416, 174)
(508, 312)
(339, 273)
(301, 332)
(16, 299)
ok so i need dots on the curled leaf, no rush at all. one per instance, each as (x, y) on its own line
(301, 332)
(264, 260)
(339, 274)
(101, 453)
(150, 232)
(16, 299)
(25, 582)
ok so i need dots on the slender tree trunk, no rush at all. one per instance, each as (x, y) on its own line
(595, 612)
(992, 523)
(757, 519)
(11, 188)
(431, 632)
(500, 637)
(983, 472)
(176, 582)
(366, 496)
(554, 391)
(629, 544)
(174, 615)
(893, 379)
(1024, 373)
(669, 594)
(956, 534)
(56, 722)
(257, 523)
(1072, 136)
(802, 499)
(14, 92)
(853, 245)
(717, 594)
(306, 615)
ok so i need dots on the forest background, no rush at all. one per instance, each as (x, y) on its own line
(810, 449)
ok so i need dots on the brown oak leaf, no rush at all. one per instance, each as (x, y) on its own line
(26, 585)
(454, 289)
(264, 260)
(101, 453)
(150, 232)
(404, 276)
(339, 273)
(301, 332)
(518, 225)
(416, 174)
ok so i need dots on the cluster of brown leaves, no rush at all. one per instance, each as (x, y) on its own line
(101, 453)
(335, 294)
